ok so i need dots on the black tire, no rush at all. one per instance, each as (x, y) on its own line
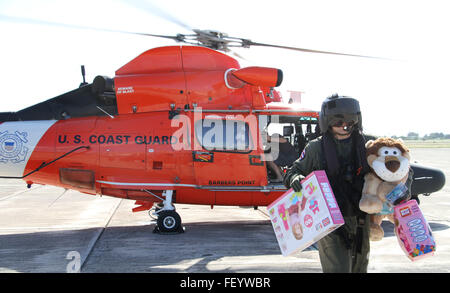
(168, 221)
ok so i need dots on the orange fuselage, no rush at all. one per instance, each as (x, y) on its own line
(187, 120)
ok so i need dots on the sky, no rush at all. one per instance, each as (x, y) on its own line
(406, 92)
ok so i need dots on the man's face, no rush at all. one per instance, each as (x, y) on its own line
(342, 129)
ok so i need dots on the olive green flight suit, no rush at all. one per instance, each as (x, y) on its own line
(337, 250)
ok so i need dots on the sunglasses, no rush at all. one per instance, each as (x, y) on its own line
(340, 123)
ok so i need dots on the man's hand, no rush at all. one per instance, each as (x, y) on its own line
(295, 183)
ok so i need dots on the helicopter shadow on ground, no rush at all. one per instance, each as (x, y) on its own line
(388, 228)
(203, 247)
(43, 251)
(226, 247)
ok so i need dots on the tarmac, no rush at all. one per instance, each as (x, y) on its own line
(47, 229)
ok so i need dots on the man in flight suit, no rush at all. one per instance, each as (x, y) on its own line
(340, 151)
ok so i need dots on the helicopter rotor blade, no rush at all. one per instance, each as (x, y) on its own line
(155, 10)
(247, 43)
(234, 53)
(72, 26)
(207, 38)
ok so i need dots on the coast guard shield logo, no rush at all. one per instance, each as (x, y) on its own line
(12, 148)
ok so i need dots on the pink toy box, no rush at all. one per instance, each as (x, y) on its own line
(299, 219)
(413, 232)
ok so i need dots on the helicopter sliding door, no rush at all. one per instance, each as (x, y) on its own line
(225, 154)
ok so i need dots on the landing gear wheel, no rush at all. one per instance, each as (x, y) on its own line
(169, 222)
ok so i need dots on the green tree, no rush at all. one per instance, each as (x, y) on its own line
(412, 135)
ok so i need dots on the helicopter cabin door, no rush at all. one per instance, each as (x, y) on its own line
(225, 154)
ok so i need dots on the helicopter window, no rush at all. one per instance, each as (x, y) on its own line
(223, 135)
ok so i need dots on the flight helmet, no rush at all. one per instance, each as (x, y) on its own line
(337, 109)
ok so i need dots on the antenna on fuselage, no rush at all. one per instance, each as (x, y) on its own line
(83, 74)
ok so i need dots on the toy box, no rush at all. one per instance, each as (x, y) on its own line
(299, 219)
(413, 232)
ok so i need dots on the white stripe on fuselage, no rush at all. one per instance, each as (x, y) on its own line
(17, 142)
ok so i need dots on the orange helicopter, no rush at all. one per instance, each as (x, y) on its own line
(177, 124)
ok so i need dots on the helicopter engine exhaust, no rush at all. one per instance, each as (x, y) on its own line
(260, 76)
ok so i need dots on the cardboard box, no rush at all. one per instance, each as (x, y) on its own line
(413, 232)
(300, 219)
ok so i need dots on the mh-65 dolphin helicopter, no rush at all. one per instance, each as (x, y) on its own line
(177, 124)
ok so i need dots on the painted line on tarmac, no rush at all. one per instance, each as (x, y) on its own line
(264, 213)
(97, 236)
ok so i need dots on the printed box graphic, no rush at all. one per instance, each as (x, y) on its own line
(300, 219)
